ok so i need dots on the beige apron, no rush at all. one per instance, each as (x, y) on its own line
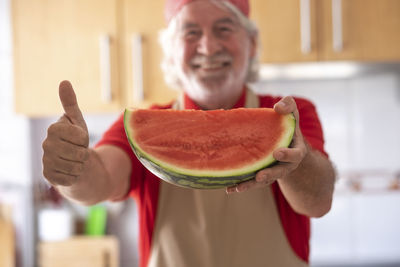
(208, 228)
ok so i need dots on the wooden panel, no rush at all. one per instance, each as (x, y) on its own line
(79, 252)
(7, 243)
(147, 19)
(279, 25)
(57, 40)
(371, 30)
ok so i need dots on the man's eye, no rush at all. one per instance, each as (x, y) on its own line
(191, 34)
(225, 29)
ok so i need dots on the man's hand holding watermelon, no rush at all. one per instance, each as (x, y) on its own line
(297, 172)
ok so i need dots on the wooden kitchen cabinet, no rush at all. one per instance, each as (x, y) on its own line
(370, 30)
(325, 30)
(89, 44)
(57, 40)
(79, 251)
(7, 237)
(142, 22)
(279, 23)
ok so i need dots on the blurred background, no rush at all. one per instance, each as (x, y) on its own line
(344, 55)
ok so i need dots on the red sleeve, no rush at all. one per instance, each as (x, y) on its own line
(310, 125)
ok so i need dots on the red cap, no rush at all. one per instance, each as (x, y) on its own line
(172, 7)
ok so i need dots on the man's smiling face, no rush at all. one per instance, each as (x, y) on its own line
(213, 51)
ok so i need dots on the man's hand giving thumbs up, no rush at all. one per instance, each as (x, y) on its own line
(78, 172)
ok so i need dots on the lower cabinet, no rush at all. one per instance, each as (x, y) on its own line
(79, 252)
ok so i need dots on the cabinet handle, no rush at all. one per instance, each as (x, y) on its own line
(105, 68)
(305, 26)
(137, 67)
(337, 25)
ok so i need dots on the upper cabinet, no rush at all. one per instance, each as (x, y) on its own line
(363, 30)
(58, 40)
(319, 30)
(108, 50)
(111, 53)
(141, 73)
(286, 34)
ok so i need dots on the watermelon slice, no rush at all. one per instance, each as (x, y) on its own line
(207, 149)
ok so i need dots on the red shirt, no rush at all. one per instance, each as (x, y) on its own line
(144, 186)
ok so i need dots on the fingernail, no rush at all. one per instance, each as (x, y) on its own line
(280, 104)
(241, 188)
(230, 190)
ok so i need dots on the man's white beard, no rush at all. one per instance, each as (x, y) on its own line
(213, 90)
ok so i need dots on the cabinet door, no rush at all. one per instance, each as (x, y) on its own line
(287, 29)
(142, 75)
(60, 39)
(369, 29)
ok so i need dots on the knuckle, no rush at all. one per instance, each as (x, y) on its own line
(45, 145)
(81, 137)
(302, 152)
(49, 146)
(47, 162)
(53, 129)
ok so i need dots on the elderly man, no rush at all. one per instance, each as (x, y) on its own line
(210, 53)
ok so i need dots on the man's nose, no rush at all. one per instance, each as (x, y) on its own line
(208, 45)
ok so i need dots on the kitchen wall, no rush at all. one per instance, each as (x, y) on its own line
(360, 117)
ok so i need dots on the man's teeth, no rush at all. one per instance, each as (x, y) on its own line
(212, 65)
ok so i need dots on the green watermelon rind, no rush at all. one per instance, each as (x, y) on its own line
(209, 179)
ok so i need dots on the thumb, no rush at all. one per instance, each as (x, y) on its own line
(70, 104)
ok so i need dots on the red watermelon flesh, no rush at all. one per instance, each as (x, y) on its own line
(195, 144)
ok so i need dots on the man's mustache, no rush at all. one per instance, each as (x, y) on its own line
(217, 58)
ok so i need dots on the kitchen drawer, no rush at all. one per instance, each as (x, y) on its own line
(80, 252)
